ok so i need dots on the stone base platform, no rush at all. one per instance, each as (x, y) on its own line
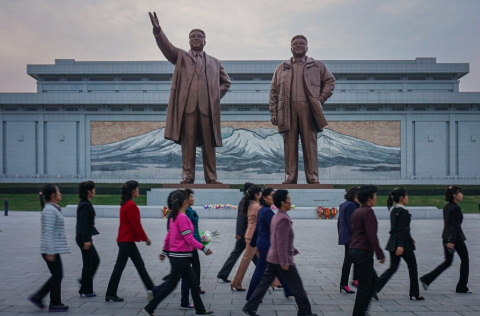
(174, 186)
(112, 211)
(298, 186)
(301, 195)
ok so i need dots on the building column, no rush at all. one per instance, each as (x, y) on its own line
(40, 145)
(452, 145)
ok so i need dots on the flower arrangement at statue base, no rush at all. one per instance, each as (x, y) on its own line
(207, 236)
(166, 211)
(326, 212)
(220, 206)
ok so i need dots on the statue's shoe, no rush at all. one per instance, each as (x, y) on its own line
(215, 182)
(186, 181)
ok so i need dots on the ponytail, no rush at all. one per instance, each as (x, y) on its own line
(46, 194)
(127, 190)
(395, 196)
(249, 195)
(176, 202)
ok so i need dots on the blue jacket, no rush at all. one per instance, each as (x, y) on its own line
(261, 236)
(193, 216)
(344, 221)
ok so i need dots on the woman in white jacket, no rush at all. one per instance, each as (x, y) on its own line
(53, 243)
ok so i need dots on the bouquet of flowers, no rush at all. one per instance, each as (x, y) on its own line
(219, 206)
(334, 212)
(327, 213)
(166, 211)
(320, 212)
(207, 236)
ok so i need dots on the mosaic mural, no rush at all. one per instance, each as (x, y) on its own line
(251, 150)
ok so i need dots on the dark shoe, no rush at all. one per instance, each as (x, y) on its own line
(58, 308)
(88, 294)
(375, 296)
(214, 182)
(224, 279)
(204, 313)
(188, 307)
(249, 311)
(186, 181)
(145, 312)
(37, 301)
(239, 289)
(346, 289)
(202, 291)
(313, 182)
(113, 298)
(418, 298)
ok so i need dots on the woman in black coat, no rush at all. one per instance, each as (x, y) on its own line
(453, 241)
(85, 229)
(400, 244)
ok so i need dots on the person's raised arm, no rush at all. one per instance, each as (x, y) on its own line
(169, 51)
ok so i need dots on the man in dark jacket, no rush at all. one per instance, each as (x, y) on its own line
(363, 244)
(300, 87)
(5, 204)
(240, 245)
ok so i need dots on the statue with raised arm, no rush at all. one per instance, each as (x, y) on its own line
(300, 86)
(193, 114)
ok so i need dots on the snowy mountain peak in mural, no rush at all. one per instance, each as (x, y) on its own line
(258, 151)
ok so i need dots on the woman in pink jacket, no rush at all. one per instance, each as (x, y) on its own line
(178, 246)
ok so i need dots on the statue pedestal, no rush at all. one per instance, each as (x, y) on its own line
(204, 194)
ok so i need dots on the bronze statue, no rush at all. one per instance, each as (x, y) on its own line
(193, 114)
(300, 86)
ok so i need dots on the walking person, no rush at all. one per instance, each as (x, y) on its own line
(5, 205)
(250, 206)
(344, 226)
(178, 246)
(53, 244)
(363, 243)
(261, 240)
(280, 261)
(453, 240)
(195, 260)
(129, 232)
(85, 229)
(400, 244)
(240, 244)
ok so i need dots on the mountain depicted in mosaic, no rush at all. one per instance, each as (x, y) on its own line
(258, 151)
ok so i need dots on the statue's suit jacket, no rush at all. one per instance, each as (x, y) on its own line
(319, 84)
(217, 80)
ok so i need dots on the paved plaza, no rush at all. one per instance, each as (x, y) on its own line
(22, 271)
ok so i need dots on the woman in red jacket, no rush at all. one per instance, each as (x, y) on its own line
(129, 232)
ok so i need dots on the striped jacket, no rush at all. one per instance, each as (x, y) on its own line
(53, 239)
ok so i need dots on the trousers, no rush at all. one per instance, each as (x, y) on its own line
(127, 250)
(347, 264)
(198, 127)
(461, 249)
(409, 257)
(240, 245)
(248, 255)
(367, 279)
(257, 275)
(180, 268)
(54, 283)
(301, 124)
(91, 260)
(292, 280)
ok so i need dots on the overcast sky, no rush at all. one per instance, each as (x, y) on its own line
(40, 31)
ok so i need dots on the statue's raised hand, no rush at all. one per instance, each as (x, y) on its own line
(155, 23)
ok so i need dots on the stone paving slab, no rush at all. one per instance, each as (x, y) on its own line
(22, 271)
